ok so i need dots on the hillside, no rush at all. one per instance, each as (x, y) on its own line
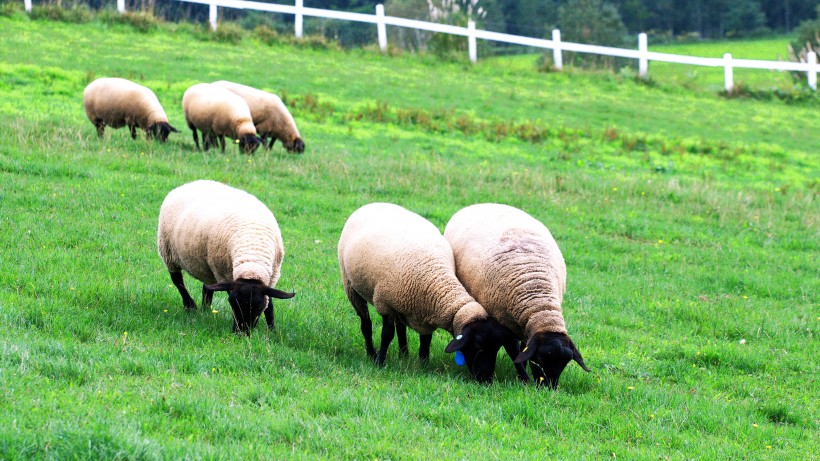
(689, 223)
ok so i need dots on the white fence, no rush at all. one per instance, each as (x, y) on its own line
(642, 54)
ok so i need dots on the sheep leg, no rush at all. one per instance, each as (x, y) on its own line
(222, 142)
(133, 129)
(272, 140)
(187, 300)
(513, 348)
(100, 125)
(196, 138)
(424, 347)
(269, 315)
(401, 335)
(360, 306)
(388, 331)
(207, 297)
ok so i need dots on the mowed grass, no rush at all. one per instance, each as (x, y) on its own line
(689, 224)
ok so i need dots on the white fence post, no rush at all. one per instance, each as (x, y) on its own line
(380, 27)
(212, 16)
(643, 61)
(557, 58)
(471, 47)
(27, 3)
(299, 19)
(811, 58)
(728, 72)
(121, 6)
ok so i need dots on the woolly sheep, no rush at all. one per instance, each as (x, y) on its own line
(227, 239)
(117, 102)
(399, 262)
(510, 263)
(270, 116)
(218, 112)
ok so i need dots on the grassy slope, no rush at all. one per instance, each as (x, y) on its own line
(688, 223)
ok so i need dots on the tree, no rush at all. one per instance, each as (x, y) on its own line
(744, 18)
(594, 22)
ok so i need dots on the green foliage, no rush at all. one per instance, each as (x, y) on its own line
(807, 40)
(77, 13)
(691, 245)
(142, 21)
(593, 22)
(228, 32)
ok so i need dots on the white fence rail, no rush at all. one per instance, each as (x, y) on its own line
(642, 54)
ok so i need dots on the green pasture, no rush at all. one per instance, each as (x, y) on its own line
(689, 223)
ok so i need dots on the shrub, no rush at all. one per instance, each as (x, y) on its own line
(228, 32)
(593, 22)
(142, 21)
(77, 14)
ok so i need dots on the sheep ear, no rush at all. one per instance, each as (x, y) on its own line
(577, 357)
(457, 343)
(173, 130)
(279, 294)
(224, 286)
(526, 353)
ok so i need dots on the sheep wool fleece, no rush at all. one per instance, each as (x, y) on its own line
(399, 262)
(511, 264)
(268, 111)
(118, 102)
(218, 233)
(213, 109)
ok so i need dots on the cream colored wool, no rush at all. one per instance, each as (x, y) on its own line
(511, 264)
(218, 233)
(270, 116)
(118, 102)
(399, 262)
(213, 109)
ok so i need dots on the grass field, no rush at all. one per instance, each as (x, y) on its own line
(689, 224)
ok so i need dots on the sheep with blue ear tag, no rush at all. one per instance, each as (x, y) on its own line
(511, 264)
(399, 262)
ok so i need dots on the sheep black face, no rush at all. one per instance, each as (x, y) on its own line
(549, 354)
(249, 143)
(479, 343)
(160, 131)
(249, 299)
(297, 146)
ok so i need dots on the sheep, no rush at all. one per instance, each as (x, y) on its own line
(270, 116)
(227, 239)
(218, 112)
(117, 102)
(509, 262)
(399, 262)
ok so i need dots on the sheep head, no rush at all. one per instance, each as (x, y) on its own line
(549, 354)
(295, 145)
(248, 299)
(249, 143)
(479, 342)
(160, 130)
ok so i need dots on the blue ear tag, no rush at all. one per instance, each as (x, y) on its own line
(460, 360)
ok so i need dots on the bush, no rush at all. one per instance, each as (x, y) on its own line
(142, 21)
(592, 22)
(228, 32)
(77, 14)
(808, 39)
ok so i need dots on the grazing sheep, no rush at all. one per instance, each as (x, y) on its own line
(399, 262)
(270, 116)
(218, 112)
(511, 264)
(227, 239)
(117, 102)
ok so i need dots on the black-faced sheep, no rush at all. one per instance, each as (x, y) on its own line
(270, 116)
(218, 112)
(117, 102)
(399, 262)
(511, 264)
(229, 240)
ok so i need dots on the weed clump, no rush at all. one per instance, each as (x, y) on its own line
(141, 21)
(77, 14)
